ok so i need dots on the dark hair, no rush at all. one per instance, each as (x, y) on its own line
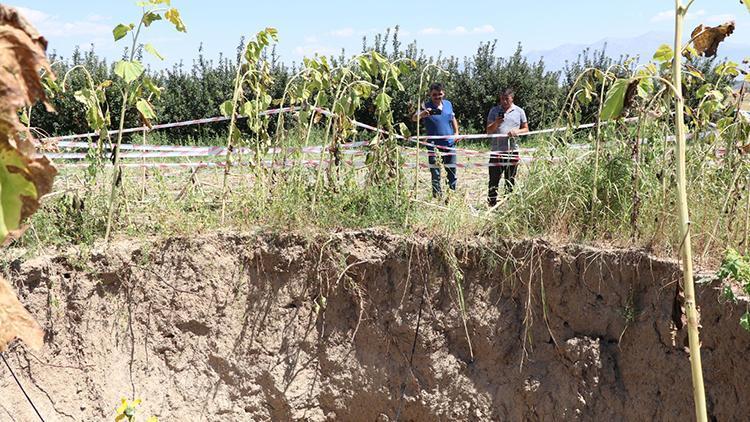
(437, 86)
(507, 92)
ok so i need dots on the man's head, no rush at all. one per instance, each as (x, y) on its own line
(506, 98)
(437, 92)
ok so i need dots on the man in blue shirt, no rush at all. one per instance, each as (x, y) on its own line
(438, 118)
(510, 120)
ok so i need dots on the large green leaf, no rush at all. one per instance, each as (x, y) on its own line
(150, 49)
(151, 86)
(645, 87)
(248, 109)
(322, 99)
(85, 96)
(226, 108)
(120, 31)
(145, 108)
(663, 54)
(252, 51)
(404, 130)
(89, 98)
(128, 70)
(13, 189)
(365, 64)
(151, 17)
(383, 102)
(615, 100)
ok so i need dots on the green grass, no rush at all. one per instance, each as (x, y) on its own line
(552, 199)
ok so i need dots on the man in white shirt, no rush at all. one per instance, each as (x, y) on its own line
(510, 120)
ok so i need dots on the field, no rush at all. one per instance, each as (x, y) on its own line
(552, 199)
(267, 246)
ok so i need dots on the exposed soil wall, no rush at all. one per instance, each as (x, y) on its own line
(367, 326)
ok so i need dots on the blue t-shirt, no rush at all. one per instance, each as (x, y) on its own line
(440, 124)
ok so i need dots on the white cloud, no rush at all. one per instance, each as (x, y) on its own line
(53, 26)
(668, 15)
(98, 18)
(484, 29)
(431, 31)
(311, 39)
(34, 16)
(343, 33)
(459, 30)
(719, 19)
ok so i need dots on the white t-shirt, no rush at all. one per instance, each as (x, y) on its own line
(513, 119)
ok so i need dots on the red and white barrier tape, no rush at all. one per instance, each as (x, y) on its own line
(63, 141)
(171, 151)
(509, 161)
(164, 125)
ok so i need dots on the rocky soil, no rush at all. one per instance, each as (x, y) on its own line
(367, 326)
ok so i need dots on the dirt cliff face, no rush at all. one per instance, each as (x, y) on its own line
(368, 326)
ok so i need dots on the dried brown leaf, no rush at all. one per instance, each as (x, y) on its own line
(630, 93)
(16, 321)
(23, 178)
(22, 54)
(706, 39)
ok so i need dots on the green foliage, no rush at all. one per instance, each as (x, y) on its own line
(745, 321)
(253, 81)
(614, 102)
(149, 18)
(152, 50)
(128, 70)
(173, 15)
(91, 98)
(145, 109)
(121, 31)
(735, 268)
(16, 186)
(193, 91)
(663, 54)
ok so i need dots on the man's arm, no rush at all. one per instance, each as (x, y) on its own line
(421, 115)
(454, 122)
(493, 125)
(523, 129)
(494, 122)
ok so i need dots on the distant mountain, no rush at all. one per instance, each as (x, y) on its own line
(642, 46)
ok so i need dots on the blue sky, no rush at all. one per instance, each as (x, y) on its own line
(454, 27)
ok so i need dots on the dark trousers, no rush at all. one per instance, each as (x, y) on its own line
(448, 158)
(507, 169)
